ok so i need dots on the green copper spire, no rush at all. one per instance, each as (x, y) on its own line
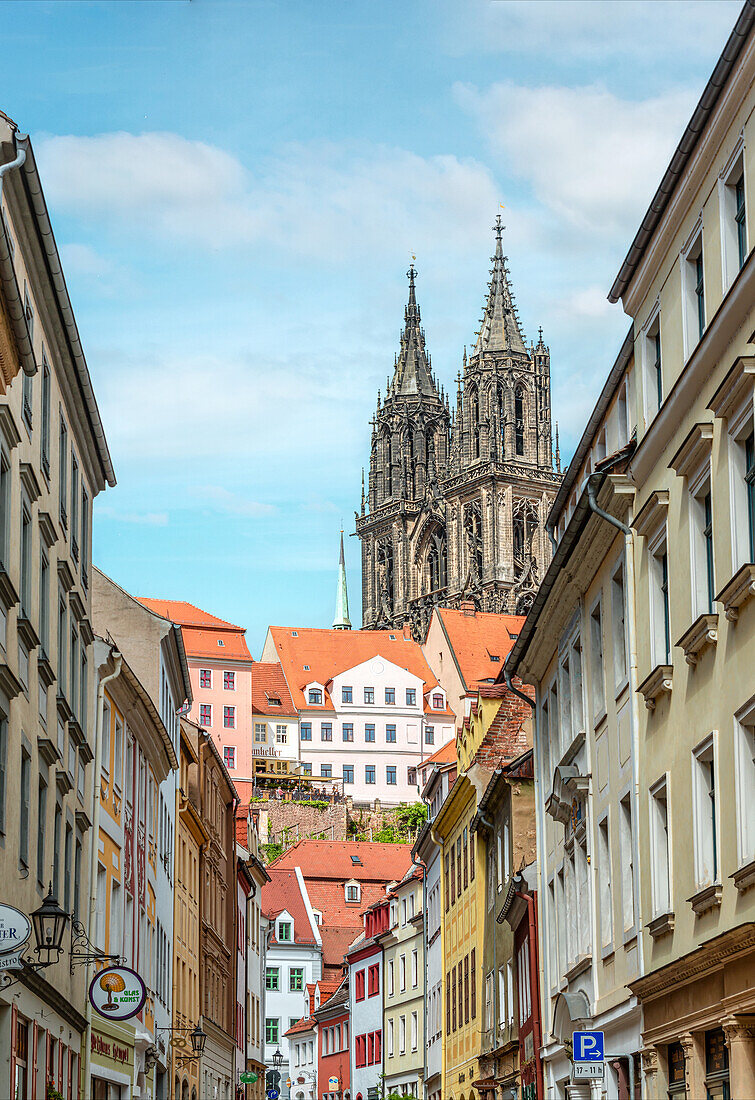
(342, 620)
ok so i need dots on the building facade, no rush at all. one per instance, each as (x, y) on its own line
(369, 709)
(688, 286)
(366, 991)
(54, 460)
(404, 994)
(251, 986)
(455, 506)
(332, 1022)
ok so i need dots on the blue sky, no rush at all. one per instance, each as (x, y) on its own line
(237, 189)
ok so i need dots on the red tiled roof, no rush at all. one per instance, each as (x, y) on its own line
(329, 652)
(476, 638)
(446, 754)
(331, 859)
(305, 1024)
(202, 630)
(283, 892)
(268, 682)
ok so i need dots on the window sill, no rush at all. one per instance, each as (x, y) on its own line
(707, 898)
(744, 877)
(738, 591)
(630, 937)
(661, 925)
(63, 781)
(48, 750)
(583, 963)
(702, 633)
(653, 686)
(607, 952)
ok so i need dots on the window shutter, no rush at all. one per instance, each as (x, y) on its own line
(448, 1004)
(2, 791)
(471, 857)
(466, 989)
(474, 986)
(453, 997)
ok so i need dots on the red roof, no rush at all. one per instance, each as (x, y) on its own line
(478, 637)
(268, 682)
(446, 754)
(305, 1024)
(202, 631)
(330, 652)
(283, 893)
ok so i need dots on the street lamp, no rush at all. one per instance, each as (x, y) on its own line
(49, 922)
(277, 1059)
(198, 1040)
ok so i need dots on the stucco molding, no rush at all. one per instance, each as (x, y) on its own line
(698, 963)
(737, 592)
(659, 681)
(702, 633)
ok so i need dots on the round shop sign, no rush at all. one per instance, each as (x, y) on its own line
(117, 993)
(15, 930)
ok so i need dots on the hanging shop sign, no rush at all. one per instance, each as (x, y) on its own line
(117, 993)
(15, 930)
(333, 1084)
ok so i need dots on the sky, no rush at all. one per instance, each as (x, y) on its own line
(237, 190)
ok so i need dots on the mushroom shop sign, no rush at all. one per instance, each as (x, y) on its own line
(15, 930)
(117, 993)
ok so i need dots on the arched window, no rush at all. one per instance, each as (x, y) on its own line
(474, 406)
(519, 421)
(388, 481)
(177, 1091)
(385, 577)
(185, 1090)
(436, 562)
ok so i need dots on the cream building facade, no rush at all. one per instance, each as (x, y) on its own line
(689, 285)
(404, 989)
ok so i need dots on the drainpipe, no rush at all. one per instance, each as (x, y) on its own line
(417, 862)
(95, 847)
(535, 984)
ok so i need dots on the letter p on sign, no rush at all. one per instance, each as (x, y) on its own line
(589, 1046)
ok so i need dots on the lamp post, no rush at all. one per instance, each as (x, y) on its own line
(277, 1059)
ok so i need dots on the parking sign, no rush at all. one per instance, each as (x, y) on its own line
(589, 1046)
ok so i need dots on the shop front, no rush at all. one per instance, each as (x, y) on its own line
(112, 1060)
(699, 1016)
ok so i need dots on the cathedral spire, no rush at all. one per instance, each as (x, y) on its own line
(342, 620)
(413, 374)
(499, 328)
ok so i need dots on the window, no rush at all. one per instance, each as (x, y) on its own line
(229, 718)
(348, 774)
(348, 731)
(369, 774)
(284, 931)
(369, 732)
(229, 756)
(63, 473)
(596, 660)
(390, 978)
(373, 980)
(314, 697)
(205, 714)
(347, 695)
(25, 559)
(306, 769)
(281, 735)
(437, 701)
(701, 517)
(570, 694)
(326, 731)
(402, 1034)
(402, 972)
(74, 507)
(744, 771)
(326, 771)
(657, 365)
(390, 696)
(27, 378)
(389, 1039)
(605, 884)
(45, 434)
(740, 219)
(296, 979)
(84, 538)
(390, 775)
(659, 603)
(705, 813)
(205, 678)
(694, 295)
(627, 862)
(4, 503)
(733, 218)
(411, 697)
(369, 695)
(415, 968)
(660, 850)
(488, 1010)
(411, 777)
(618, 624)
(305, 731)
(429, 735)
(272, 1030)
(229, 681)
(359, 985)
(390, 735)
(25, 796)
(41, 829)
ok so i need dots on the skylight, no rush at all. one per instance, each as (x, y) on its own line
(294, 633)
(306, 668)
(391, 637)
(495, 658)
(220, 641)
(356, 860)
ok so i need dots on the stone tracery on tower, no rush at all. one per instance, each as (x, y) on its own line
(455, 506)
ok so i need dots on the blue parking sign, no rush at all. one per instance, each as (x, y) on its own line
(589, 1046)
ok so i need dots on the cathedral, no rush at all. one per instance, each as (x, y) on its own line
(457, 500)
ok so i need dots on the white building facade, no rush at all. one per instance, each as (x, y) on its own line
(366, 978)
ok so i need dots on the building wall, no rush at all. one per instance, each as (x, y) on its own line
(366, 1019)
(217, 697)
(283, 1005)
(440, 658)
(404, 995)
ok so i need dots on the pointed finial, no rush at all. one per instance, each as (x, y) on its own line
(342, 620)
(558, 455)
(498, 229)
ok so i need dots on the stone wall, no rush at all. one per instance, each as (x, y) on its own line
(283, 823)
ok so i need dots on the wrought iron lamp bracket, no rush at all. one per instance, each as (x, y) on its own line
(83, 951)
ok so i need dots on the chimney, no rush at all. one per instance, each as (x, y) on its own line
(467, 606)
(407, 628)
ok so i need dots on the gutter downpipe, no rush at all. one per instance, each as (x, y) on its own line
(15, 303)
(95, 850)
(418, 862)
(535, 979)
(632, 630)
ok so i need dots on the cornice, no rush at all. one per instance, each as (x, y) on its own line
(712, 955)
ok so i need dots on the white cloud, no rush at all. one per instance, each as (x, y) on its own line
(146, 519)
(331, 201)
(588, 302)
(222, 500)
(591, 157)
(591, 31)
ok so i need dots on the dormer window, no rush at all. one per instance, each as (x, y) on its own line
(220, 641)
(314, 697)
(317, 915)
(294, 633)
(437, 701)
(353, 892)
(284, 931)
(306, 668)
(273, 700)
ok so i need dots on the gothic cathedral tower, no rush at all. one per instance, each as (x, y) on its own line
(456, 510)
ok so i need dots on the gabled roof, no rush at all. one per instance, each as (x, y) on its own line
(330, 652)
(334, 860)
(283, 893)
(268, 682)
(305, 1024)
(446, 754)
(475, 637)
(202, 631)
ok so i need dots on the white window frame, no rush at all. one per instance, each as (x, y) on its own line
(706, 827)
(694, 247)
(657, 546)
(619, 644)
(661, 851)
(699, 483)
(605, 884)
(734, 169)
(597, 661)
(740, 422)
(627, 863)
(744, 772)
(652, 328)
